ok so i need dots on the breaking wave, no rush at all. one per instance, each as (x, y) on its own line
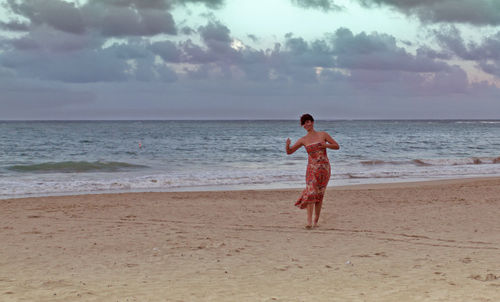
(75, 166)
(436, 162)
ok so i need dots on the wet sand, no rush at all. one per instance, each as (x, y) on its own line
(425, 241)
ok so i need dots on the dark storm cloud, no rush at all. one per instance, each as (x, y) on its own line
(14, 25)
(486, 53)
(299, 52)
(477, 12)
(216, 36)
(298, 60)
(196, 54)
(59, 14)
(216, 49)
(378, 52)
(147, 71)
(325, 5)
(139, 4)
(122, 20)
(491, 68)
(157, 4)
(110, 18)
(132, 50)
(450, 39)
(167, 50)
(119, 62)
(490, 47)
(214, 4)
(46, 53)
(426, 51)
(358, 70)
(64, 42)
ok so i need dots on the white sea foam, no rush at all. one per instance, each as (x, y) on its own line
(262, 178)
(70, 158)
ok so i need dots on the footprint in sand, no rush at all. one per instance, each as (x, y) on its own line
(488, 277)
(381, 254)
(284, 268)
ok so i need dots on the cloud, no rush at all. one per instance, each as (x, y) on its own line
(110, 18)
(91, 66)
(491, 68)
(167, 50)
(14, 25)
(476, 12)
(186, 30)
(46, 53)
(173, 68)
(298, 60)
(136, 4)
(486, 53)
(213, 4)
(378, 52)
(426, 51)
(215, 35)
(216, 49)
(43, 38)
(325, 5)
(157, 4)
(450, 39)
(123, 20)
(48, 58)
(252, 37)
(59, 14)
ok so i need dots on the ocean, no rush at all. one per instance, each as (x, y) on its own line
(40, 158)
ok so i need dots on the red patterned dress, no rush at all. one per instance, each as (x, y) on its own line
(317, 176)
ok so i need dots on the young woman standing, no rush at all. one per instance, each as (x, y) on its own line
(318, 167)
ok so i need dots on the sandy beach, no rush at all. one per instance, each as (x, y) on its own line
(425, 241)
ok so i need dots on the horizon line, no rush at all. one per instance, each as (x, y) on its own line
(247, 119)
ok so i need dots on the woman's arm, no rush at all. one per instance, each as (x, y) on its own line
(295, 147)
(331, 143)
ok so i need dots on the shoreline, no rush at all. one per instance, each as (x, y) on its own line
(244, 188)
(418, 241)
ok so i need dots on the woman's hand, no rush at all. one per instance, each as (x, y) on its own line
(297, 145)
(332, 144)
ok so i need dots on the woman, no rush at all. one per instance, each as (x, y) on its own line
(318, 167)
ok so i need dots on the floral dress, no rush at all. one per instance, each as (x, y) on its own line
(317, 176)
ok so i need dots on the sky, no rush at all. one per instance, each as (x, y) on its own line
(249, 59)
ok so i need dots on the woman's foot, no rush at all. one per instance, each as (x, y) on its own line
(315, 225)
(308, 227)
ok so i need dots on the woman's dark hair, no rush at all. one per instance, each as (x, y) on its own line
(306, 117)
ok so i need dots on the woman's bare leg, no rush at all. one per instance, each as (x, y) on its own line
(317, 211)
(310, 207)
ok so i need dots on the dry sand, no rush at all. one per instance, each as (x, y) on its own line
(428, 241)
